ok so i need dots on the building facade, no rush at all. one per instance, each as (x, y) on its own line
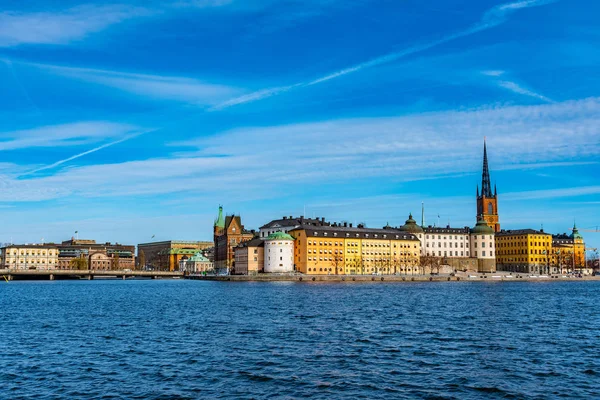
(569, 250)
(324, 249)
(26, 256)
(165, 255)
(196, 264)
(87, 254)
(454, 247)
(279, 253)
(228, 233)
(250, 257)
(524, 250)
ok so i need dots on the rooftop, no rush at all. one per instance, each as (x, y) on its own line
(358, 232)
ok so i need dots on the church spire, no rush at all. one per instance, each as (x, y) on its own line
(486, 186)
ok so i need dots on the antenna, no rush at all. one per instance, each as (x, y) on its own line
(422, 214)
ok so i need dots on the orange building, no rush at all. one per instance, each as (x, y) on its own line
(332, 249)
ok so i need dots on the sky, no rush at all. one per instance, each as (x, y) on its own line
(132, 121)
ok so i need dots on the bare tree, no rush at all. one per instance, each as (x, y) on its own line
(114, 263)
(79, 263)
(141, 259)
(337, 262)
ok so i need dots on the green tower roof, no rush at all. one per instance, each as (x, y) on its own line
(220, 221)
(576, 234)
(411, 226)
(279, 236)
(482, 228)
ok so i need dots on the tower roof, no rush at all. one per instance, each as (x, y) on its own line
(279, 236)
(220, 221)
(576, 234)
(486, 185)
(411, 226)
(482, 228)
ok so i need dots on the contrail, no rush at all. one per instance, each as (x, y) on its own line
(85, 153)
(491, 18)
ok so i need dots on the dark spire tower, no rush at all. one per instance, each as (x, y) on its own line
(487, 201)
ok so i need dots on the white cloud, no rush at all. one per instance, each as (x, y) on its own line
(260, 160)
(552, 193)
(62, 27)
(155, 86)
(66, 135)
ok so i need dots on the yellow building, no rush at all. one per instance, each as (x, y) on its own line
(525, 250)
(30, 256)
(568, 251)
(326, 249)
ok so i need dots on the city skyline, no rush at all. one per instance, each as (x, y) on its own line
(142, 120)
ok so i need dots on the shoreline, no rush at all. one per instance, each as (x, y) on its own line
(393, 278)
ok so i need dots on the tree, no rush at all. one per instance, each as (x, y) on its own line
(337, 262)
(141, 259)
(394, 264)
(115, 262)
(79, 263)
(431, 262)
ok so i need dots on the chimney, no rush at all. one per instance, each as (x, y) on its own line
(345, 224)
(322, 219)
(350, 224)
(284, 217)
(291, 217)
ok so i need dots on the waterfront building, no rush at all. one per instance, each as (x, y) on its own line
(483, 246)
(279, 253)
(196, 264)
(29, 256)
(286, 224)
(87, 254)
(250, 257)
(323, 248)
(487, 202)
(454, 247)
(568, 251)
(166, 255)
(524, 250)
(228, 233)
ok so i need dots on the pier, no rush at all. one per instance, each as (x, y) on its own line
(52, 274)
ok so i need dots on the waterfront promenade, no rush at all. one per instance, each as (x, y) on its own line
(52, 274)
(459, 277)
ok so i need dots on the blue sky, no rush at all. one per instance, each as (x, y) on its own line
(128, 119)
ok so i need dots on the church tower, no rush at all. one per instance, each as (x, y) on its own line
(487, 202)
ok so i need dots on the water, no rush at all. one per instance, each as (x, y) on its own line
(190, 339)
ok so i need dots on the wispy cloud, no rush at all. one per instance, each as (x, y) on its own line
(552, 193)
(185, 89)
(66, 135)
(515, 87)
(492, 18)
(400, 148)
(64, 26)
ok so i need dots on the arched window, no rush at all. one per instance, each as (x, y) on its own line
(490, 208)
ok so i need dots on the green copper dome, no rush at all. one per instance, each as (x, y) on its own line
(482, 228)
(279, 236)
(411, 226)
(199, 258)
(576, 234)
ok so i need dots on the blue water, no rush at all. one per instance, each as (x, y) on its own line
(178, 339)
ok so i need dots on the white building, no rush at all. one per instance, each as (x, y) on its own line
(279, 253)
(483, 245)
(29, 256)
(455, 244)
